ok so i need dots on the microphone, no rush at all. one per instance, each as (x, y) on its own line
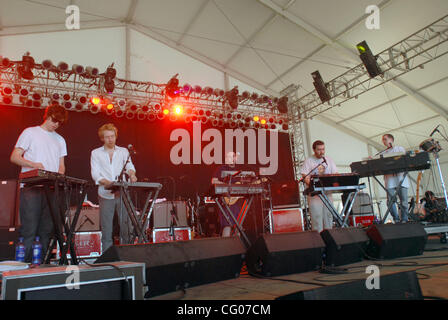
(434, 131)
(132, 149)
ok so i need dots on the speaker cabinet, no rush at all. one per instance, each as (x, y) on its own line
(390, 241)
(8, 240)
(286, 253)
(171, 266)
(165, 211)
(344, 245)
(9, 203)
(396, 286)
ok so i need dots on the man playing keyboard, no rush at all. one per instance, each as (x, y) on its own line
(321, 217)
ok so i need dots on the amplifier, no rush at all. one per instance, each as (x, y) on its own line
(163, 214)
(9, 203)
(87, 245)
(361, 220)
(287, 220)
(88, 220)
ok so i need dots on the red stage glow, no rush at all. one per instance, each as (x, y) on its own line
(178, 109)
(166, 111)
(95, 100)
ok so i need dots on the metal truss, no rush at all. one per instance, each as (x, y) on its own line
(145, 98)
(413, 52)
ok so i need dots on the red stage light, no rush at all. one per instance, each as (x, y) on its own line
(95, 100)
(166, 111)
(263, 121)
(256, 118)
(110, 106)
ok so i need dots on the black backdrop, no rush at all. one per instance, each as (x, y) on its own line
(150, 139)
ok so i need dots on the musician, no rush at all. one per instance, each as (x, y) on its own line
(321, 217)
(392, 181)
(106, 164)
(230, 165)
(39, 147)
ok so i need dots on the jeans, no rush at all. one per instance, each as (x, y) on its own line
(35, 219)
(107, 211)
(403, 196)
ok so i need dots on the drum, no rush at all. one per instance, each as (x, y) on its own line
(430, 145)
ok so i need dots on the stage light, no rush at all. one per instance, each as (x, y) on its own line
(273, 126)
(62, 66)
(145, 108)
(207, 91)
(7, 91)
(25, 68)
(208, 113)
(178, 109)
(157, 107)
(55, 96)
(29, 103)
(37, 95)
(119, 113)
(282, 104)
(271, 120)
(109, 76)
(47, 64)
(91, 72)
(4, 62)
(264, 99)
(160, 115)
(368, 59)
(247, 119)
(151, 117)
(200, 112)
(263, 121)
(133, 106)
(240, 124)
(254, 96)
(78, 69)
(198, 89)
(109, 106)
(66, 97)
(95, 109)
(256, 118)
(187, 89)
(122, 103)
(130, 115)
(95, 100)
(245, 95)
(285, 126)
(218, 92)
(82, 99)
(232, 98)
(321, 87)
(37, 103)
(215, 122)
(7, 99)
(172, 87)
(166, 111)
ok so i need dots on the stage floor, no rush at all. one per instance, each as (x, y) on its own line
(431, 268)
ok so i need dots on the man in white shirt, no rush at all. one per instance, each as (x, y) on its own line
(321, 217)
(106, 164)
(39, 147)
(392, 181)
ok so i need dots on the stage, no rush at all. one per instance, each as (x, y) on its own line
(431, 269)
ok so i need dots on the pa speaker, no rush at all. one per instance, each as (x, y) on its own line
(285, 253)
(171, 266)
(390, 241)
(344, 245)
(396, 286)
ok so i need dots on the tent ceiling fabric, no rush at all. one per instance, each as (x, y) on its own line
(271, 44)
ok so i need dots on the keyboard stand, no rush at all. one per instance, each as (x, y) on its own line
(393, 197)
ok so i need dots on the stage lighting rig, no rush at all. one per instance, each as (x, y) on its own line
(25, 67)
(109, 76)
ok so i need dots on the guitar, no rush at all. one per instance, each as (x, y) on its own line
(419, 209)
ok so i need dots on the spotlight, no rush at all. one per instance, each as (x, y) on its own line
(37, 95)
(82, 99)
(240, 124)
(95, 109)
(95, 100)
(47, 64)
(62, 66)
(178, 109)
(145, 108)
(55, 96)
(264, 99)
(273, 126)
(368, 59)
(7, 91)
(4, 62)
(207, 91)
(109, 106)
(160, 115)
(232, 98)
(66, 97)
(91, 72)
(263, 121)
(119, 113)
(7, 99)
(109, 76)
(157, 107)
(187, 89)
(78, 69)
(197, 89)
(215, 122)
(254, 96)
(256, 118)
(245, 95)
(172, 87)
(208, 113)
(166, 111)
(321, 87)
(151, 117)
(130, 115)
(133, 106)
(37, 103)
(282, 105)
(122, 103)
(285, 126)
(25, 67)
(218, 92)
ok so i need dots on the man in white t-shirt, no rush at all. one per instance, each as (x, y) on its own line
(106, 164)
(392, 181)
(321, 217)
(39, 147)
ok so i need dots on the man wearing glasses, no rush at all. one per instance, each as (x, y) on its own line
(39, 147)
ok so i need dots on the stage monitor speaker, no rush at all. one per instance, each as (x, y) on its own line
(88, 220)
(163, 213)
(114, 281)
(344, 245)
(388, 241)
(171, 266)
(8, 198)
(396, 286)
(285, 253)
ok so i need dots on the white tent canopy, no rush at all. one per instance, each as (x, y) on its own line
(259, 45)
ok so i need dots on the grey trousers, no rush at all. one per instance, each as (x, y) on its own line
(321, 217)
(108, 207)
(35, 219)
(403, 196)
